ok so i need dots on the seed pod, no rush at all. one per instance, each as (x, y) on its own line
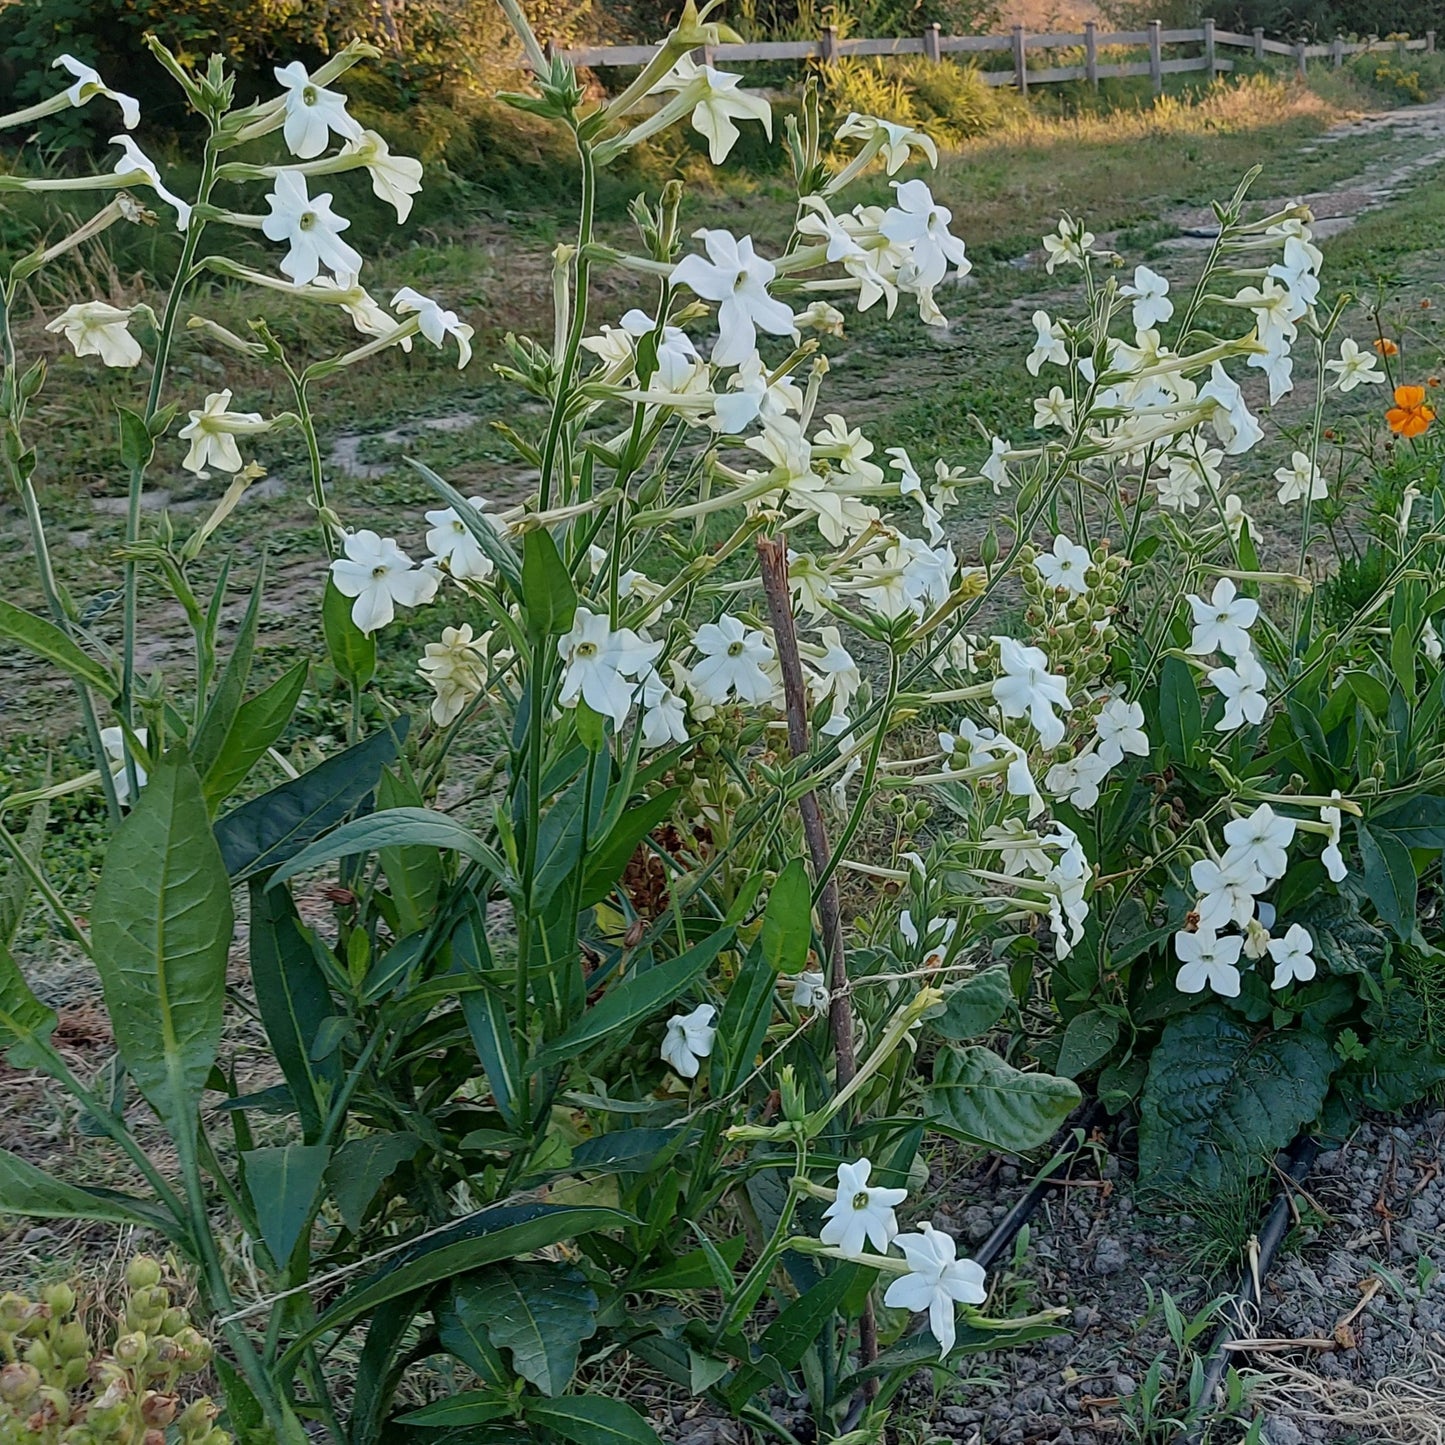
(18, 1382)
(70, 1341)
(38, 1353)
(197, 1417)
(158, 1409)
(143, 1272)
(131, 1349)
(174, 1320)
(60, 1298)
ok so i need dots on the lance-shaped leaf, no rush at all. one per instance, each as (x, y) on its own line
(42, 638)
(161, 925)
(29, 1191)
(285, 1185)
(25, 1023)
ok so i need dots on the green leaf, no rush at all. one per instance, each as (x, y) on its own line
(693, 1270)
(503, 558)
(606, 862)
(25, 1023)
(639, 997)
(293, 999)
(539, 1313)
(258, 724)
(16, 887)
(1087, 1040)
(361, 1166)
(1180, 719)
(1388, 873)
(921, 1350)
(42, 637)
(462, 1330)
(267, 831)
(1369, 690)
(29, 1191)
(1417, 823)
(413, 874)
(974, 1006)
(395, 828)
(788, 920)
(161, 926)
(352, 651)
(137, 445)
(230, 689)
(490, 1026)
(285, 1188)
(1220, 1099)
(1345, 943)
(592, 1420)
(980, 1094)
(1397, 1074)
(548, 595)
(471, 1407)
(489, 1235)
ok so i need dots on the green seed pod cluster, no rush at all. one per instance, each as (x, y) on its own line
(59, 1387)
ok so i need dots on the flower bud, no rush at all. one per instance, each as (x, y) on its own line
(37, 1353)
(197, 1417)
(70, 1341)
(143, 1272)
(158, 1409)
(60, 1298)
(18, 1382)
(130, 1350)
(174, 1321)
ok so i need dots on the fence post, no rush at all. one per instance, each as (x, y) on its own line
(1156, 74)
(931, 49)
(830, 44)
(1209, 47)
(1337, 51)
(1091, 53)
(1259, 42)
(1021, 62)
(1301, 58)
(1429, 42)
(707, 55)
(1400, 49)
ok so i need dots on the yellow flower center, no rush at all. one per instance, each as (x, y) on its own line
(860, 1199)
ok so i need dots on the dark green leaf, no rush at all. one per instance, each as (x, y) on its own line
(285, 1188)
(471, 1407)
(267, 831)
(974, 1006)
(694, 1270)
(1087, 1040)
(981, 1095)
(352, 651)
(606, 862)
(547, 591)
(361, 1166)
(25, 1023)
(1417, 823)
(539, 1313)
(788, 920)
(1180, 719)
(229, 691)
(161, 925)
(1388, 873)
(640, 996)
(1221, 1099)
(137, 446)
(29, 1191)
(413, 874)
(592, 1420)
(1345, 943)
(624, 1151)
(42, 637)
(258, 723)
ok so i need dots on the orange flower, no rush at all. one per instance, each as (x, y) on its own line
(1386, 347)
(1409, 416)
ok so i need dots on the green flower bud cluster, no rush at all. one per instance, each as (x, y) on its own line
(1076, 630)
(58, 1387)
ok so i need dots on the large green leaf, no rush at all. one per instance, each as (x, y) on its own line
(788, 920)
(608, 857)
(413, 874)
(638, 998)
(979, 1094)
(285, 1188)
(161, 925)
(1180, 720)
(230, 689)
(1220, 1098)
(1087, 1040)
(361, 1166)
(396, 828)
(293, 999)
(471, 1407)
(547, 590)
(25, 1023)
(1418, 822)
(1396, 1074)
(974, 1006)
(257, 725)
(352, 651)
(1345, 942)
(43, 638)
(592, 1420)
(539, 1312)
(26, 1190)
(1388, 873)
(268, 830)
(498, 1233)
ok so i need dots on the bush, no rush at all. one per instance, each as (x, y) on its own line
(950, 102)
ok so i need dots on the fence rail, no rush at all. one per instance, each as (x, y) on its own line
(934, 45)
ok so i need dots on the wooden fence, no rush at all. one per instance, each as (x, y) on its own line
(934, 46)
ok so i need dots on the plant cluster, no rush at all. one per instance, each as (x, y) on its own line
(600, 1058)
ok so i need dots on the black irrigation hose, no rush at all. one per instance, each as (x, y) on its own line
(1300, 1159)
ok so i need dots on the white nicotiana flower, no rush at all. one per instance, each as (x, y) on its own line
(733, 660)
(212, 433)
(1048, 345)
(311, 229)
(95, 329)
(1066, 566)
(88, 85)
(1053, 410)
(1189, 472)
(1078, 780)
(394, 179)
(1150, 295)
(1235, 517)
(435, 323)
(1256, 938)
(753, 394)
(1028, 689)
(1069, 245)
(1233, 422)
(664, 714)
(937, 1282)
(1242, 687)
(456, 670)
(894, 142)
(809, 989)
(1226, 893)
(1430, 642)
(1260, 841)
(1066, 883)
(1278, 366)
(720, 104)
(378, 575)
(1222, 624)
(112, 742)
(994, 470)
(737, 279)
(1301, 479)
(312, 113)
(135, 164)
(819, 316)
(1332, 857)
(689, 1039)
(1208, 961)
(1292, 955)
(450, 540)
(836, 675)
(936, 936)
(604, 667)
(919, 222)
(861, 1214)
(1355, 366)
